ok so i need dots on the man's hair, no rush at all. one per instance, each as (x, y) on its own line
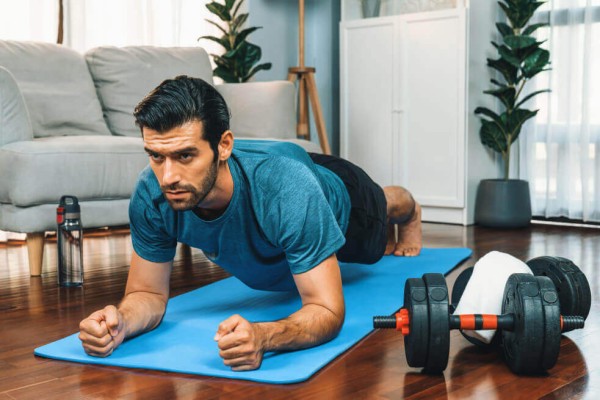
(177, 101)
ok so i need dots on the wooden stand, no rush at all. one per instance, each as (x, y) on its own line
(61, 12)
(307, 86)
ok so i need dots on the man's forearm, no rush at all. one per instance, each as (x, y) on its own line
(310, 326)
(141, 312)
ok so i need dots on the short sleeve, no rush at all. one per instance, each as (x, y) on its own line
(296, 216)
(149, 236)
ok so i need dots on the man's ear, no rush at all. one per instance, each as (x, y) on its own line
(225, 145)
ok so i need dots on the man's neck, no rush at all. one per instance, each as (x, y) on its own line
(217, 200)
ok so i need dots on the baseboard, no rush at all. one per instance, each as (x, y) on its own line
(445, 215)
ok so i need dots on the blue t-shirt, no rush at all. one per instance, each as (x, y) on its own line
(286, 216)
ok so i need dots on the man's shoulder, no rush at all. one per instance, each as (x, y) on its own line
(147, 186)
(271, 150)
(273, 164)
(266, 155)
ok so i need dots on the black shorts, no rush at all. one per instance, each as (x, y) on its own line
(366, 236)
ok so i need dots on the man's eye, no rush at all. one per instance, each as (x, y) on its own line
(185, 157)
(155, 157)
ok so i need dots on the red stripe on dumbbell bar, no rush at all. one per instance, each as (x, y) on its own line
(490, 321)
(478, 321)
(467, 321)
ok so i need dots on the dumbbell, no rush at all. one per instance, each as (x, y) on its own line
(530, 323)
(573, 289)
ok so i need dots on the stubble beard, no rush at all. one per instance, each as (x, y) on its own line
(196, 195)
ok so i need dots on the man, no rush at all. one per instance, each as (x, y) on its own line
(271, 214)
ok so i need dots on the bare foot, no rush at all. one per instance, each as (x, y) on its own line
(391, 240)
(410, 238)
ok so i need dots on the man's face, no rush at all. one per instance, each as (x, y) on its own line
(183, 163)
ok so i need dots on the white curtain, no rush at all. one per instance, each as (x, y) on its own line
(560, 148)
(29, 20)
(92, 23)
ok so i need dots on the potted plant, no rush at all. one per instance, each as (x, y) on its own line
(237, 64)
(370, 8)
(506, 202)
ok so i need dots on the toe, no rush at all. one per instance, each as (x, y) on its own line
(407, 251)
(412, 252)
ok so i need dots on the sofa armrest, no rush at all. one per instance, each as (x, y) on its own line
(15, 124)
(261, 109)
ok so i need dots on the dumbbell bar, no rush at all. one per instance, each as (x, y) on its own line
(471, 322)
(530, 323)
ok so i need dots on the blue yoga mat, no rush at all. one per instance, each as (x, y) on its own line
(184, 343)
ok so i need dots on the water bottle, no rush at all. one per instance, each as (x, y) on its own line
(70, 238)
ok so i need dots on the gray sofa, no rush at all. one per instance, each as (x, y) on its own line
(66, 127)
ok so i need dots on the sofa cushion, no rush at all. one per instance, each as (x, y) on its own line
(125, 75)
(43, 217)
(57, 87)
(261, 109)
(89, 167)
(14, 118)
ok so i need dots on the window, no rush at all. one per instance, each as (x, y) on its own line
(559, 150)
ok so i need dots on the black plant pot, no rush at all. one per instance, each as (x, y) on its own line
(503, 203)
(370, 8)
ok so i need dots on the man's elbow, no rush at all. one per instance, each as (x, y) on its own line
(337, 321)
(341, 314)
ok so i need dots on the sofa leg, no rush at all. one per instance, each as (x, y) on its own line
(35, 250)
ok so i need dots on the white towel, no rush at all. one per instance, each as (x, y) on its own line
(484, 291)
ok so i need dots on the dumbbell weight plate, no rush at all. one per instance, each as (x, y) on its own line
(552, 332)
(571, 284)
(416, 343)
(535, 323)
(439, 325)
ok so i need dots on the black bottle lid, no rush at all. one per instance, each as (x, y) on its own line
(70, 205)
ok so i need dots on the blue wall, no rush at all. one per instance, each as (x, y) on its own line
(278, 40)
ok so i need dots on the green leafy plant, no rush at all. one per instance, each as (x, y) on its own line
(520, 59)
(237, 64)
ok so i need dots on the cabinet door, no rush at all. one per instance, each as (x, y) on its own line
(367, 75)
(432, 101)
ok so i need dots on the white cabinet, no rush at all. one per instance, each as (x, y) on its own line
(368, 118)
(406, 107)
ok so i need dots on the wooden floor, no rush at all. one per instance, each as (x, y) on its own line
(35, 311)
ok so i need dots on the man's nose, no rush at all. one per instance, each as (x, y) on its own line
(170, 173)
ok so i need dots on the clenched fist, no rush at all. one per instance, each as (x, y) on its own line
(241, 343)
(102, 332)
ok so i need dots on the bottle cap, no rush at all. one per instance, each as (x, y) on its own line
(70, 205)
